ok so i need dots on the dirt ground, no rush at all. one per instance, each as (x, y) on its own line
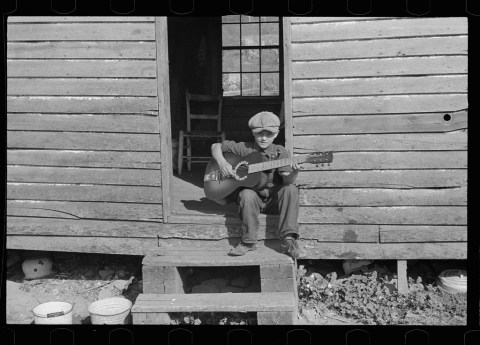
(81, 279)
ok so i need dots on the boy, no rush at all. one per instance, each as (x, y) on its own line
(280, 196)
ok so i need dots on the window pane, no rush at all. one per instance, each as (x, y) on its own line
(250, 35)
(270, 34)
(231, 61)
(270, 84)
(269, 19)
(230, 35)
(249, 19)
(251, 84)
(231, 84)
(270, 60)
(231, 19)
(250, 60)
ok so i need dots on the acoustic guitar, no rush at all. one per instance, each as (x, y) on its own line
(248, 172)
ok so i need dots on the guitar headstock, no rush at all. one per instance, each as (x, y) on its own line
(320, 157)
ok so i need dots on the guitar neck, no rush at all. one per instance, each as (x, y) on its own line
(273, 164)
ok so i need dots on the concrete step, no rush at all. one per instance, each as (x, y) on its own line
(271, 307)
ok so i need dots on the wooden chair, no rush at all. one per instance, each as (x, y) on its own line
(199, 113)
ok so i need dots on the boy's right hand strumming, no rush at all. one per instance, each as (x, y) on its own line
(225, 167)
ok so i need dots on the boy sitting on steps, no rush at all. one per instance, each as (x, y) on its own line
(279, 197)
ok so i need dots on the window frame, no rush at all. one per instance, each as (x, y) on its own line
(260, 72)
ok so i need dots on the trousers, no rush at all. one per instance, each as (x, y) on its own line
(282, 201)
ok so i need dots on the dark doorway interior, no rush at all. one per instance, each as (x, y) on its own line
(195, 63)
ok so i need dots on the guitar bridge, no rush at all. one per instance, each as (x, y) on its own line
(213, 176)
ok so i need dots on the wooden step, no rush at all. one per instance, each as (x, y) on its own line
(186, 257)
(271, 307)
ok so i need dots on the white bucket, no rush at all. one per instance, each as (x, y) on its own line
(110, 311)
(453, 281)
(53, 313)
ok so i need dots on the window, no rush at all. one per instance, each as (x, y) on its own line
(250, 56)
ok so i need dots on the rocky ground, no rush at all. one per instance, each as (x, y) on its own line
(81, 279)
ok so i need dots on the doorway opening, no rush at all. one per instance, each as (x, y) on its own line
(195, 64)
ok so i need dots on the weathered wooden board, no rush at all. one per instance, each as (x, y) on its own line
(402, 234)
(383, 197)
(73, 19)
(380, 86)
(421, 215)
(392, 251)
(31, 226)
(81, 32)
(81, 87)
(322, 232)
(412, 46)
(33, 191)
(93, 244)
(60, 104)
(381, 123)
(186, 257)
(85, 210)
(85, 159)
(234, 302)
(313, 248)
(81, 68)
(422, 65)
(81, 50)
(305, 20)
(394, 160)
(132, 177)
(352, 30)
(379, 104)
(83, 141)
(83, 123)
(376, 142)
(395, 179)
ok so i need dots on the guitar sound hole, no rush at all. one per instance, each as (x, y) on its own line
(242, 170)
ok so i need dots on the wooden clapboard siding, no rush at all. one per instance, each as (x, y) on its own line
(351, 68)
(396, 47)
(380, 86)
(395, 160)
(389, 97)
(88, 244)
(395, 179)
(68, 227)
(381, 142)
(83, 136)
(381, 123)
(86, 31)
(85, 159)
(76, 19)
(379, 104)
(61, 68)
(81, 50)
(128, 177)
(357, 30)
(81, 87)
(69, 192)
(83, 123)
(83, 141)
(85, 210)
(18, 104)
(384, 197)
(415, 215)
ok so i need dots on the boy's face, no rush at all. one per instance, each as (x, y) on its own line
(264, 138)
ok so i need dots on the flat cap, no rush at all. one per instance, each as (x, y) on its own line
(264, 121)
